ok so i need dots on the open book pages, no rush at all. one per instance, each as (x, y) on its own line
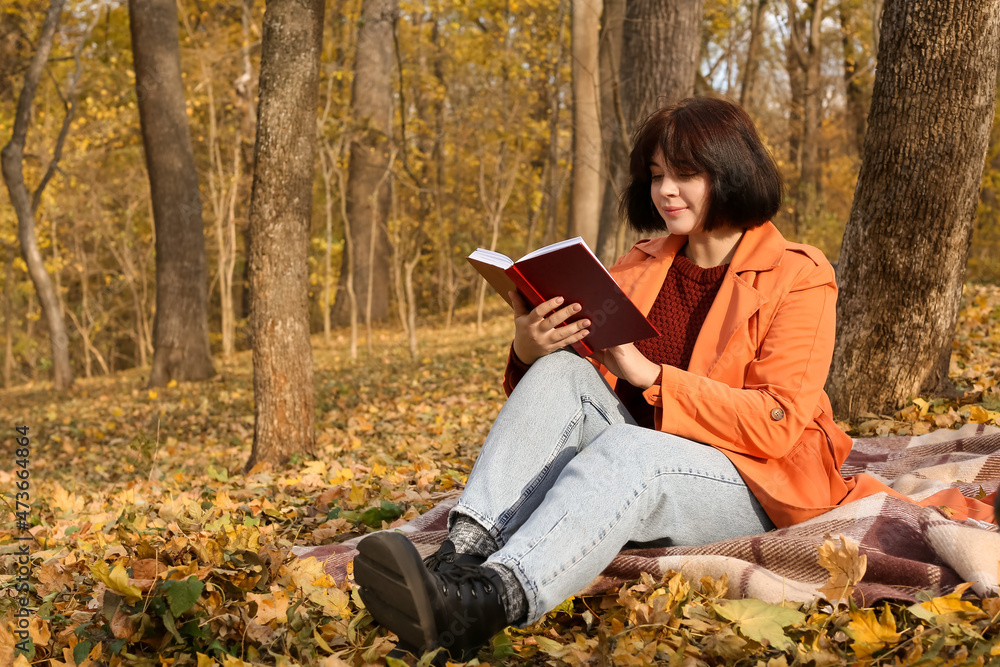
(504, 262)
(492, 258)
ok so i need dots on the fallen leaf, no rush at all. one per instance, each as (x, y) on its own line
(871, 634)
(846, 567)
(948, 604)
(122, 626)
(116, 580)
(759, 620)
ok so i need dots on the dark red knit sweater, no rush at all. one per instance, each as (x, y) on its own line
(678, 313)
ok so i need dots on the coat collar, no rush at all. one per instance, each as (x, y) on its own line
(760, 249)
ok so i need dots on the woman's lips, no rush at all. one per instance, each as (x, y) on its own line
(674, 210)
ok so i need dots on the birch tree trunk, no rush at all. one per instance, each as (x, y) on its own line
(11, 163)
(902, 263)
(280, 216)
(585, 190)
(180, 330)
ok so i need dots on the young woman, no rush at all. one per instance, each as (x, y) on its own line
(717, 429)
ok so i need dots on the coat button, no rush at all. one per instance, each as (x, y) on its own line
(777, 414)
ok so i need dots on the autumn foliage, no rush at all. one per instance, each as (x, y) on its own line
(152, 547)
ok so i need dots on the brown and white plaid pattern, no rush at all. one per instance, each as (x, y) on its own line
(909, 548)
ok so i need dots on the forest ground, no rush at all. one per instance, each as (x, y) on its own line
(153, 547)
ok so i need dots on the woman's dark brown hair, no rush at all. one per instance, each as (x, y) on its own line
(710, 136)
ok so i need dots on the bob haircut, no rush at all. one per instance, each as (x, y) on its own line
(710, 136)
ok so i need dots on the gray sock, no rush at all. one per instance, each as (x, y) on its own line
(515, 603)
(471, 538)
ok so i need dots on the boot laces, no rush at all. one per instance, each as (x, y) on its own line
(436, 558)
(463, 575)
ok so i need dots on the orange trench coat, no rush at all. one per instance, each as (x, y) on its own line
(754, 385)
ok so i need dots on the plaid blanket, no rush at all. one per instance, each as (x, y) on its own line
(910, 548)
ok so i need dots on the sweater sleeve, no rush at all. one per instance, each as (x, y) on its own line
(782, 386)
(514, 372)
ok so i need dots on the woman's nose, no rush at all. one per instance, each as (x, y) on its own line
(668, 187)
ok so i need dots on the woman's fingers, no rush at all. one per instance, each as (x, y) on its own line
(554, 319)
(576, 330)
(544, 309)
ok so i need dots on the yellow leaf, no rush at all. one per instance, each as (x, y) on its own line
(116, 580)
(206, 661)
(953, 603)
(334, 601)
(871, 634)
(358, 494)
(171, 384)
(319, 642)
(153, 395)
(21, 661)
(845, 565)
(270, 607)
(38, 630)
(978, 415)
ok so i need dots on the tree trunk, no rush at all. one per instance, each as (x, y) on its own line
(326, 301)
(8, 318)
(585, 190)
(877, 7)
(796, 89)
(904, 253)
(367, 196)
(223, 192)
(280, 216)
(12, 162)
(660, 42)
(553, 186)
(614, 137)
(806, 55)
(246, 88)
(180, 328)
(751, 65)
(854, 78)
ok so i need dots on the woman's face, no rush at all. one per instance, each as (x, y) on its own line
(681, 199)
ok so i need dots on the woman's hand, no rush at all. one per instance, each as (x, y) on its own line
(629, 364)
(536, 331)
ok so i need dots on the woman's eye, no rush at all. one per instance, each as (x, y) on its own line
(655, 177)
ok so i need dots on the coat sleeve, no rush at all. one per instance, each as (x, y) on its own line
(783, 384)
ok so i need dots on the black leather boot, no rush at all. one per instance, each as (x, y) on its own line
(446, 556)
(457, 608)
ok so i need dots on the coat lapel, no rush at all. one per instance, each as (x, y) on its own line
(646, 277)
(760, 250)
(738, 300)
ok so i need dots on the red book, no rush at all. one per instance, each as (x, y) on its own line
(569, 269)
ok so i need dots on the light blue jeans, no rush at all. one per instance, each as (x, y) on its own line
(565, 479)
